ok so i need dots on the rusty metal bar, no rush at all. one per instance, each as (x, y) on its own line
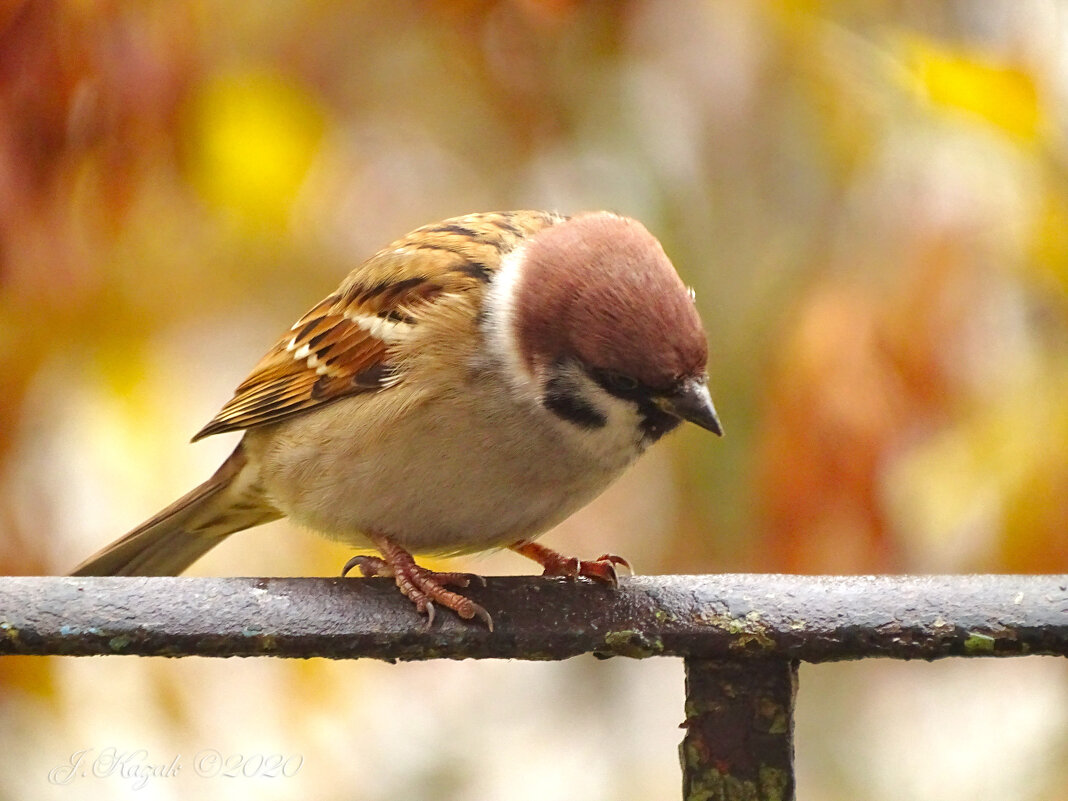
(739, 743)
(735, 617)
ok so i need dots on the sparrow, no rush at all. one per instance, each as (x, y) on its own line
(466, 388)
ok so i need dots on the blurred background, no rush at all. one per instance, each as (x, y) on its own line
(870, 198)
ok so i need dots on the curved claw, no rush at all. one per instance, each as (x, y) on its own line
(356, 561)
(481, 613)
(466, 610)
(555, 564)
(370, 566)
(424, 588)
(599, 570)
(616, 560)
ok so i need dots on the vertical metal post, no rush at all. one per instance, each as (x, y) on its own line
(739, 742)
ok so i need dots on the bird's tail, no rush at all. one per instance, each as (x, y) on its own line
(172, 540)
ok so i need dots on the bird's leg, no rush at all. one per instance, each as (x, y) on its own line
(423, 587)
(601, 569)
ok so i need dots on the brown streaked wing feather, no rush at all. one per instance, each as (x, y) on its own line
(323, 358)
(337, 349)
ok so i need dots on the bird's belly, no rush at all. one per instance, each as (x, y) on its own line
(445, 481)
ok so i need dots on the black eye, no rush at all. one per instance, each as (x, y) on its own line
(618, 382)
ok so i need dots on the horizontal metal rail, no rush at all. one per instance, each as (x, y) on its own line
(733, 617)
(741, 636)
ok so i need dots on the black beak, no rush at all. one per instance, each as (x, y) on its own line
(692, 402)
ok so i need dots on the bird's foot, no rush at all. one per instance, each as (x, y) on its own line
(423, 587)
(602, 569)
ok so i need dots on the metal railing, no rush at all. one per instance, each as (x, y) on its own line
(741, 636)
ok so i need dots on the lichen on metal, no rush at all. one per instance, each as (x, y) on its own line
(745, 617)
(739, 730)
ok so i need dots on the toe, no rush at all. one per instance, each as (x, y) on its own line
(600, 571)
(370, 566)
(619, 561)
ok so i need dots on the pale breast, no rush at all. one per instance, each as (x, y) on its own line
(459, 471)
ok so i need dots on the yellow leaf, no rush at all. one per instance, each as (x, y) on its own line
(1003, 94)
(1049, 246)
(251, 138)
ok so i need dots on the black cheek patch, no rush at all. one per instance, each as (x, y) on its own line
(655, 421)
(561, 400)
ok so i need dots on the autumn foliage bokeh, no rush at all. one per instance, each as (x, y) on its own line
(875, 229)
(870, 199)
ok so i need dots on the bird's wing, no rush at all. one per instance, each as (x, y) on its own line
(346, 344)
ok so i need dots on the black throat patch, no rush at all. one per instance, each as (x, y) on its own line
(655, 421)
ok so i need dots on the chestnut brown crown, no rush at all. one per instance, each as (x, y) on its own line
(600, 289)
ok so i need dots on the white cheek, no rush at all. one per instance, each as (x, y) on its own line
(619, 441)
(612, 446)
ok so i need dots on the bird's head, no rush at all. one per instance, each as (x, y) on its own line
(606, 330)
